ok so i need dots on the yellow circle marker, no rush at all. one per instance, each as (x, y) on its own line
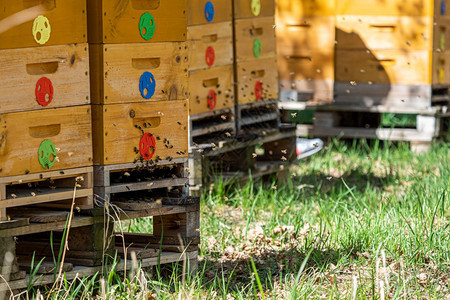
(441, 75)
(41, 30)
(256, 7)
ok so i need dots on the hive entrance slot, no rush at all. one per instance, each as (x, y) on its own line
(42, 68)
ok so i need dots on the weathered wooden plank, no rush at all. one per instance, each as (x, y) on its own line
(210, 45)
(211, 89)
(254, 38)
(120, 21)
(120, 72)
(200, 12)
(68, 129)
(124, 125)
(45, 77)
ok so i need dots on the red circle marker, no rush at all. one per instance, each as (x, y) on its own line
(210, 56)
(259, 90)
(147, 146)
(44, 87)
(211, 99)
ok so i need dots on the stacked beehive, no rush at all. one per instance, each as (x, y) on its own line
(211, 90)
(139, 80)
(391, 53)
(305, 47)
(45, 111)
(255, 64)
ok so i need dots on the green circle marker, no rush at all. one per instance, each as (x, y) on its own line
(147, 26)
(257, 48)
(47, 154)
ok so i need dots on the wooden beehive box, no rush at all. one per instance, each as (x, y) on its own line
(210, 45)
(308, 71)
(127, 133)
(44, 77)
(211, 89)
(289, 10)
(138, 72)
(255, 38)
(383, 66)
(48, 22)
(257, 80)
(135, 21)
(306, 33)
(384, 32)
(392, 8)
(41, 140)
(208, 11)
(253, 8)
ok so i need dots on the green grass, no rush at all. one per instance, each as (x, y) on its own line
(352, 221)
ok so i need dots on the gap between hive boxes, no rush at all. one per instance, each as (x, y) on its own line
(52, 189)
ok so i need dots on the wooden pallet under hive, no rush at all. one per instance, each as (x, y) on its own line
(54, 189)
(143, 185)
(236, 159)
(357, 122)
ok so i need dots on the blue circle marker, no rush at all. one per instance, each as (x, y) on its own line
(443, 8)
(209, 11)
(147, 85)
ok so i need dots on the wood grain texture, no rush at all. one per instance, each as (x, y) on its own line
(248, 73)
(242, 9)
(117, 137)
(117, 68)
(391, 8)
(201, 82)
(196, 12)
(306, 65)
(311, 33)
(22, 133)
(288, 9)
(384, 32)
(247, 31)
(383, 66)
(67, 21)
(66, 66)
(117, 21)
(219, 36)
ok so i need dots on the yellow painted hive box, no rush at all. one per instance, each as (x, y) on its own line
(305, 8)
(394, 7)
(384, 32)
(41, 140)
(306, 33)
